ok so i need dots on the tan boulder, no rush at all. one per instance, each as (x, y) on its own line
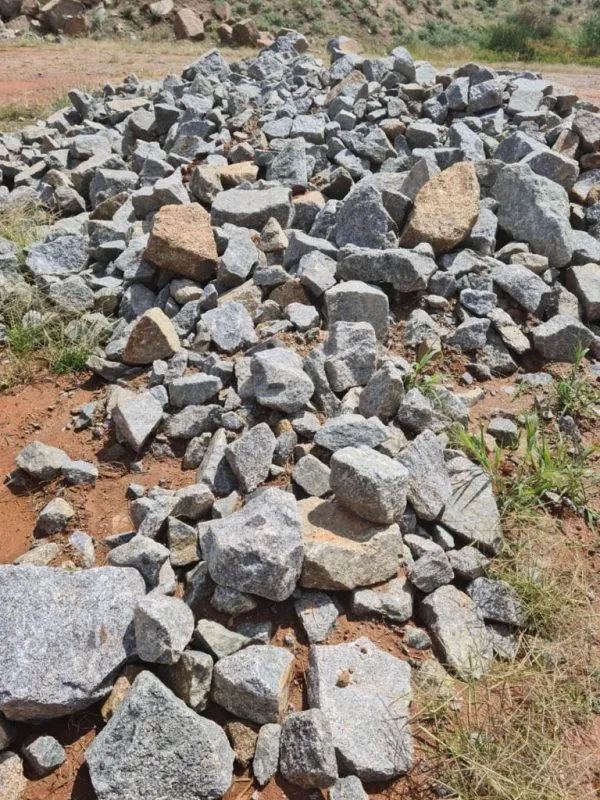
(221, 9)
(182, 241)
(187, 25)
(445, 209)
(152, 336)
(13, 782)
(245, 33)
(233, 174)
(160, 9)
(225, 33)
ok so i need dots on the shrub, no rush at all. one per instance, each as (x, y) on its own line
(518, 34)
(444, 33)
(588, 38)
(410, 5)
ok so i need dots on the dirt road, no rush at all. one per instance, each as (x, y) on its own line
(39, 76)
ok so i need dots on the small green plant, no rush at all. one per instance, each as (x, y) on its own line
(575, 394)
(238, 9)
(410, 5)
(419, 377)
(69, 358)
(588, 39)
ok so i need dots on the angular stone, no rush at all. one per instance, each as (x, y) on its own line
(60, 257)
(497, 601)
(430, 571)
(524, 286)
(317, 613)
(254, 683)
(350, 354)
(383, 394)
(152, 337)
(266, 755)
(54, 517)
(584, 281)
(40, 461)
(163, 628)
(429, 487)
(392, 600)
(468, 562)
(133, 756)
(472, 512)
(250, 456)
(459, 632)
(252, 208)
(218, 640)
(82, 623)
(280, 381)
(369, 483)
(190, 678)
(444, 210)
(348, 430)
(312, 475)
(535, 210)
(143, 554)
(12, 780)
(43, 755)
(181, 241)
(259, 548)
(365, 693)
(355, 301)
(342, 551)
(561, 338)
(307, 756)
(136, 418)
(406, 270)
(349, 788)
(230, 327)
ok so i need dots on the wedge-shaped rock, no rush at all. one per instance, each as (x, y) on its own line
(258, 549)
(152, 337)
(136, 418)
(459, 631)
(365, 694)
(471, 511)
(343, 551)
(154, 747)
(445, 209)
(406, 270)
(63, 637)
(182, 242)
(429, 486)
(280, 381)
(254, 683)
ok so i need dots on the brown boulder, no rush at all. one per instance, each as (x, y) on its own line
(77, 26)
(445, 209)
(225, 33)
(188, 25)
(182, 241)
(221, 9)
(245, 33)
(55, 13)
(152, 337)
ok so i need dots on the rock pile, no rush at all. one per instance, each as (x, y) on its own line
(257, 239)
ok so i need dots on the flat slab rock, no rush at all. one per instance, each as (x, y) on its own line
(343, 551)
(155, 747)
(365, 694)
(63, 637)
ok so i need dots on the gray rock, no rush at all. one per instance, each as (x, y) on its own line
(355, 301)
(350, 354)
(40, 461)
(250, 456)
(143, 554)
(163, 628)
(534, 209)
(136, 418)
(302, 317)
(280, 381)
(370, 484)
(193, 390)
(584, 281)
(405, 270)
(383, 394)
(252, 208)
(258, 549)
(478, 302)
(134, 755)
(183, 543)
(306, 752)
(218, 640)
(83, 544)
(431, 571)
(253, 683)
(230, 327)
(231, 602)
(556, 167)
(54, 517)
(497, 601)
(392, 600)
(504, 431)
(343, 551)
(289, 166)
(429, 487)
(60, 257)
(524, 286)
(561, 338)
(470, 334)
(459, 632)
(365, 694)
(349, 788)
(349, 430)
(43, 755)
(214, 470)
(471, 512)
(79, 472)
(417, 638)
(82, 623)
(363, 220)
(312, 475)
(266, 755)
(317, 613)
(190, 678)
(468, 562)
